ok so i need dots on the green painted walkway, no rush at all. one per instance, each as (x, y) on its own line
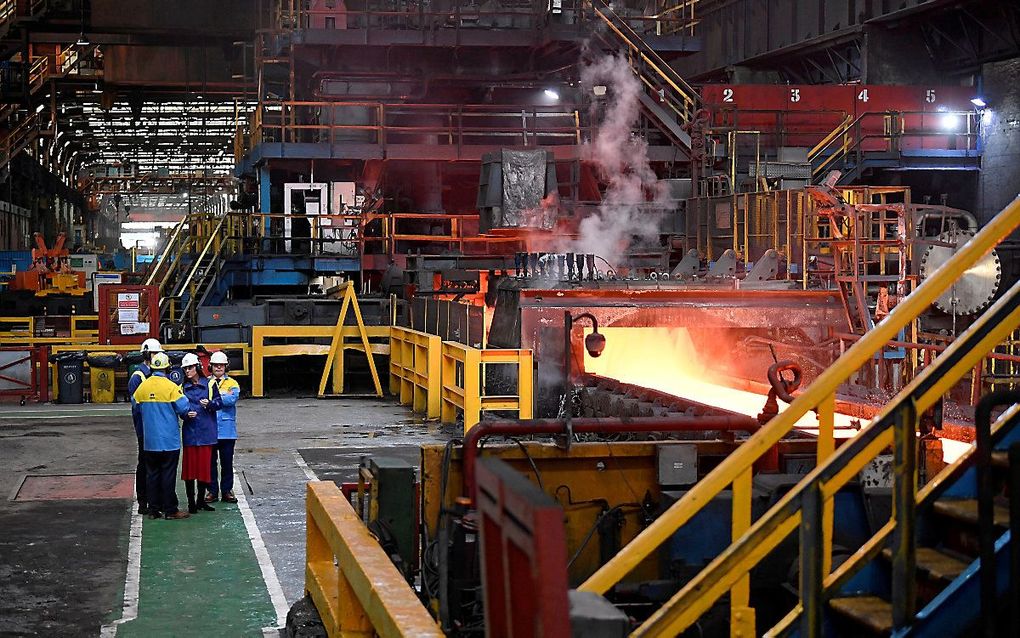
(200, 576)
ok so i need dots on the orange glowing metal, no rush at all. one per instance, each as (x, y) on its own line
(667, 360)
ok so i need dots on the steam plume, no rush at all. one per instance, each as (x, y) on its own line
(622, 161)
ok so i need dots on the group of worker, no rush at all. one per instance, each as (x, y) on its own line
(209, 430)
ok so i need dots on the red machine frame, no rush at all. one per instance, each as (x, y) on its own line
(524, 555)
(38, 386)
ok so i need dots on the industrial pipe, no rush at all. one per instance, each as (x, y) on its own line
(781, 388)
(785, 389)
(735, 423)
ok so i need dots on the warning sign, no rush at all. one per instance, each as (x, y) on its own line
(127, 300)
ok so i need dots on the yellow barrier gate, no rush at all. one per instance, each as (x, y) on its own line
(261, 351)
(352, 581)
(464, 388)
(415, 371)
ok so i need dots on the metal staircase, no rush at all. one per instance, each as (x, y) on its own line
(964, 521)
(167, 266)
(190, 263)
(668, 101)
(936, 140)
(916, 548)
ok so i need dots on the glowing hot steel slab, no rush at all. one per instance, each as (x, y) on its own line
(667, 360)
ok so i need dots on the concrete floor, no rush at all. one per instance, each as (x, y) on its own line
(64, 563)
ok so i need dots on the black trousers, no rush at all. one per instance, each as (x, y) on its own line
(162, 481)
(141, 472)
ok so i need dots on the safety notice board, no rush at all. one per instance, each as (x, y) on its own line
(127, 314)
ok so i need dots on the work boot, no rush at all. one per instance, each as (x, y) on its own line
(143, 509)
(228, 497)
(178, 515)
(211, 498)
(193, 509)
(202, 505)
(155, 515)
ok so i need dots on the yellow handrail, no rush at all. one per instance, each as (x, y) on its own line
(8, 10)
(685, 92)
(215, 237)
(463, 385)
(871, 548)
(836, 132)
(828, 478)
(415, 369)
(164, 256)
(819, 395)
(354, 584)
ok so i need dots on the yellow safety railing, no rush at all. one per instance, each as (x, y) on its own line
(21, 331)
(38, 73)
(18, 138)
(88, 332)
(8, 11)
(684, 100)
(356, 588)
(886, 130)
(415, 369)
(731, 570)
(462, 372)
(198, 274)
(169, 258)
(315, 342)
(16, 328)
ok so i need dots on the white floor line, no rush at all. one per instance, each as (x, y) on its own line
(132, 578)
(65, 415)
(304, 467)
(262, 554)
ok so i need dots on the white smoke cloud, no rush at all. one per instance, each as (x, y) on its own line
(622, 161)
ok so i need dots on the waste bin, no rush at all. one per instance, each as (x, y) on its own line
(175, 373)
(70, 369)
(102, 367)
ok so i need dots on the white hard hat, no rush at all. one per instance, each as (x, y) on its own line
(160, 361)
(151, 345)
(218, 357)
(189, 360)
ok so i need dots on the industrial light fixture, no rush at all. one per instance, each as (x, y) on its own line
(949, 122)
(594, 343)
(599, 90)
(83, 40)
(978, 102)
(551, 94)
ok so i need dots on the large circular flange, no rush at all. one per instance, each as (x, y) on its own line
(973, 290)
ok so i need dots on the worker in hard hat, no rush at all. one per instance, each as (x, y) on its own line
(198, 434)
(149, 348)
(161, 402)
(224, 392)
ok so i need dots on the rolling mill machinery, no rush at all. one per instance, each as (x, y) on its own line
(652, 366)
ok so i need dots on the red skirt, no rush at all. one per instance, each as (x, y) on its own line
(196, 464)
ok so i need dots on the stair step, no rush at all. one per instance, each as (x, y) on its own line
(871, 611)
(936, 564)
(1000, 458)
(966, 510)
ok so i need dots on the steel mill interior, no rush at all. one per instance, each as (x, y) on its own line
(510, 318)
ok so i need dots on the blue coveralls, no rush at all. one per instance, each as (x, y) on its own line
(225, 393)
(141, 374)
(160, 402)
